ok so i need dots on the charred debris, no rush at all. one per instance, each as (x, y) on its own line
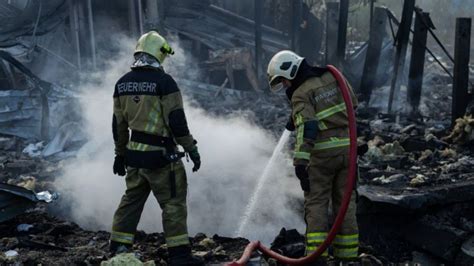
(416, 117)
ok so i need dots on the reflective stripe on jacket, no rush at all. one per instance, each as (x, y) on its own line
(319, 99)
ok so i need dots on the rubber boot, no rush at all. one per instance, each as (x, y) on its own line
(181, 255)
(117, 247)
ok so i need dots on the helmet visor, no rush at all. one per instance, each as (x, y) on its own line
(278, 87)
(276, 83)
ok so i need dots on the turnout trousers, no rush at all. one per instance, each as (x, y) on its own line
(327, 176)
(169, 186)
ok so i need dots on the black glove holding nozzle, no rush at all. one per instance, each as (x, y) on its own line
(290, 125)
(119, 165)
(301, 171)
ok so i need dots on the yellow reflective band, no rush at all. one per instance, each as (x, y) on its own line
(136, 146)
(346, 253)
(330, 111)
(333, 143)
(347, 236)
(153, 118)
(314, 248)
(131, 145)
(175, 241)
(299, 132)
(122, 234)
(299, 120)
(120, 237)
(322, 125)
(302, 155)
(347, 240)
(317, 236)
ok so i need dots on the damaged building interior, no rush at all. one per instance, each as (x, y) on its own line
(409, 63)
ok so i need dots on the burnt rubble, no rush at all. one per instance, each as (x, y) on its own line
(415, 188)
(412, 181)
(51, 241)
(416, 185)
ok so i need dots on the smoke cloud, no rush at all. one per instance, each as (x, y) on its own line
(234, 154)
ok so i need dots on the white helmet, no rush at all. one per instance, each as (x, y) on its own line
(284, 64)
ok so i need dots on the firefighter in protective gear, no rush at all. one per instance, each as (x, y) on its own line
(148, 102)
(322, 147)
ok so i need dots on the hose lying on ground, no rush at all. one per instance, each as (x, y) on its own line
(351, 176)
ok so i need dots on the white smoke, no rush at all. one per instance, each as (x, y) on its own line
(234, 153)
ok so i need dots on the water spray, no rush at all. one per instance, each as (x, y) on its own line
(250, 208)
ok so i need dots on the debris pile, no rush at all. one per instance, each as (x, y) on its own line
(409, 167)
(23, 166)
(463, 132)
(38, 238)
(416, 182)
(415, 155)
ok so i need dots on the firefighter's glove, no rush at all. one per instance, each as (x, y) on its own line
(290, 125)
(301, 171)
(196, 158)
(119, 165)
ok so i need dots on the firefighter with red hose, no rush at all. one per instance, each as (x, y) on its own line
(321, 156)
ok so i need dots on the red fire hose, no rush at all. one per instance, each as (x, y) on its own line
(256, 245)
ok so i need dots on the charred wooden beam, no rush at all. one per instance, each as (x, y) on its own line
(402, 45)
(154, 15)
(132, 18)
(297, 10)
(332, 22)
(372, 5)
(342, 31)
(91, 32)
(417, 61)
(377, 33)
(140, 16)
(462, 48)
(241, 22)
(74, 23)
(258, 36)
